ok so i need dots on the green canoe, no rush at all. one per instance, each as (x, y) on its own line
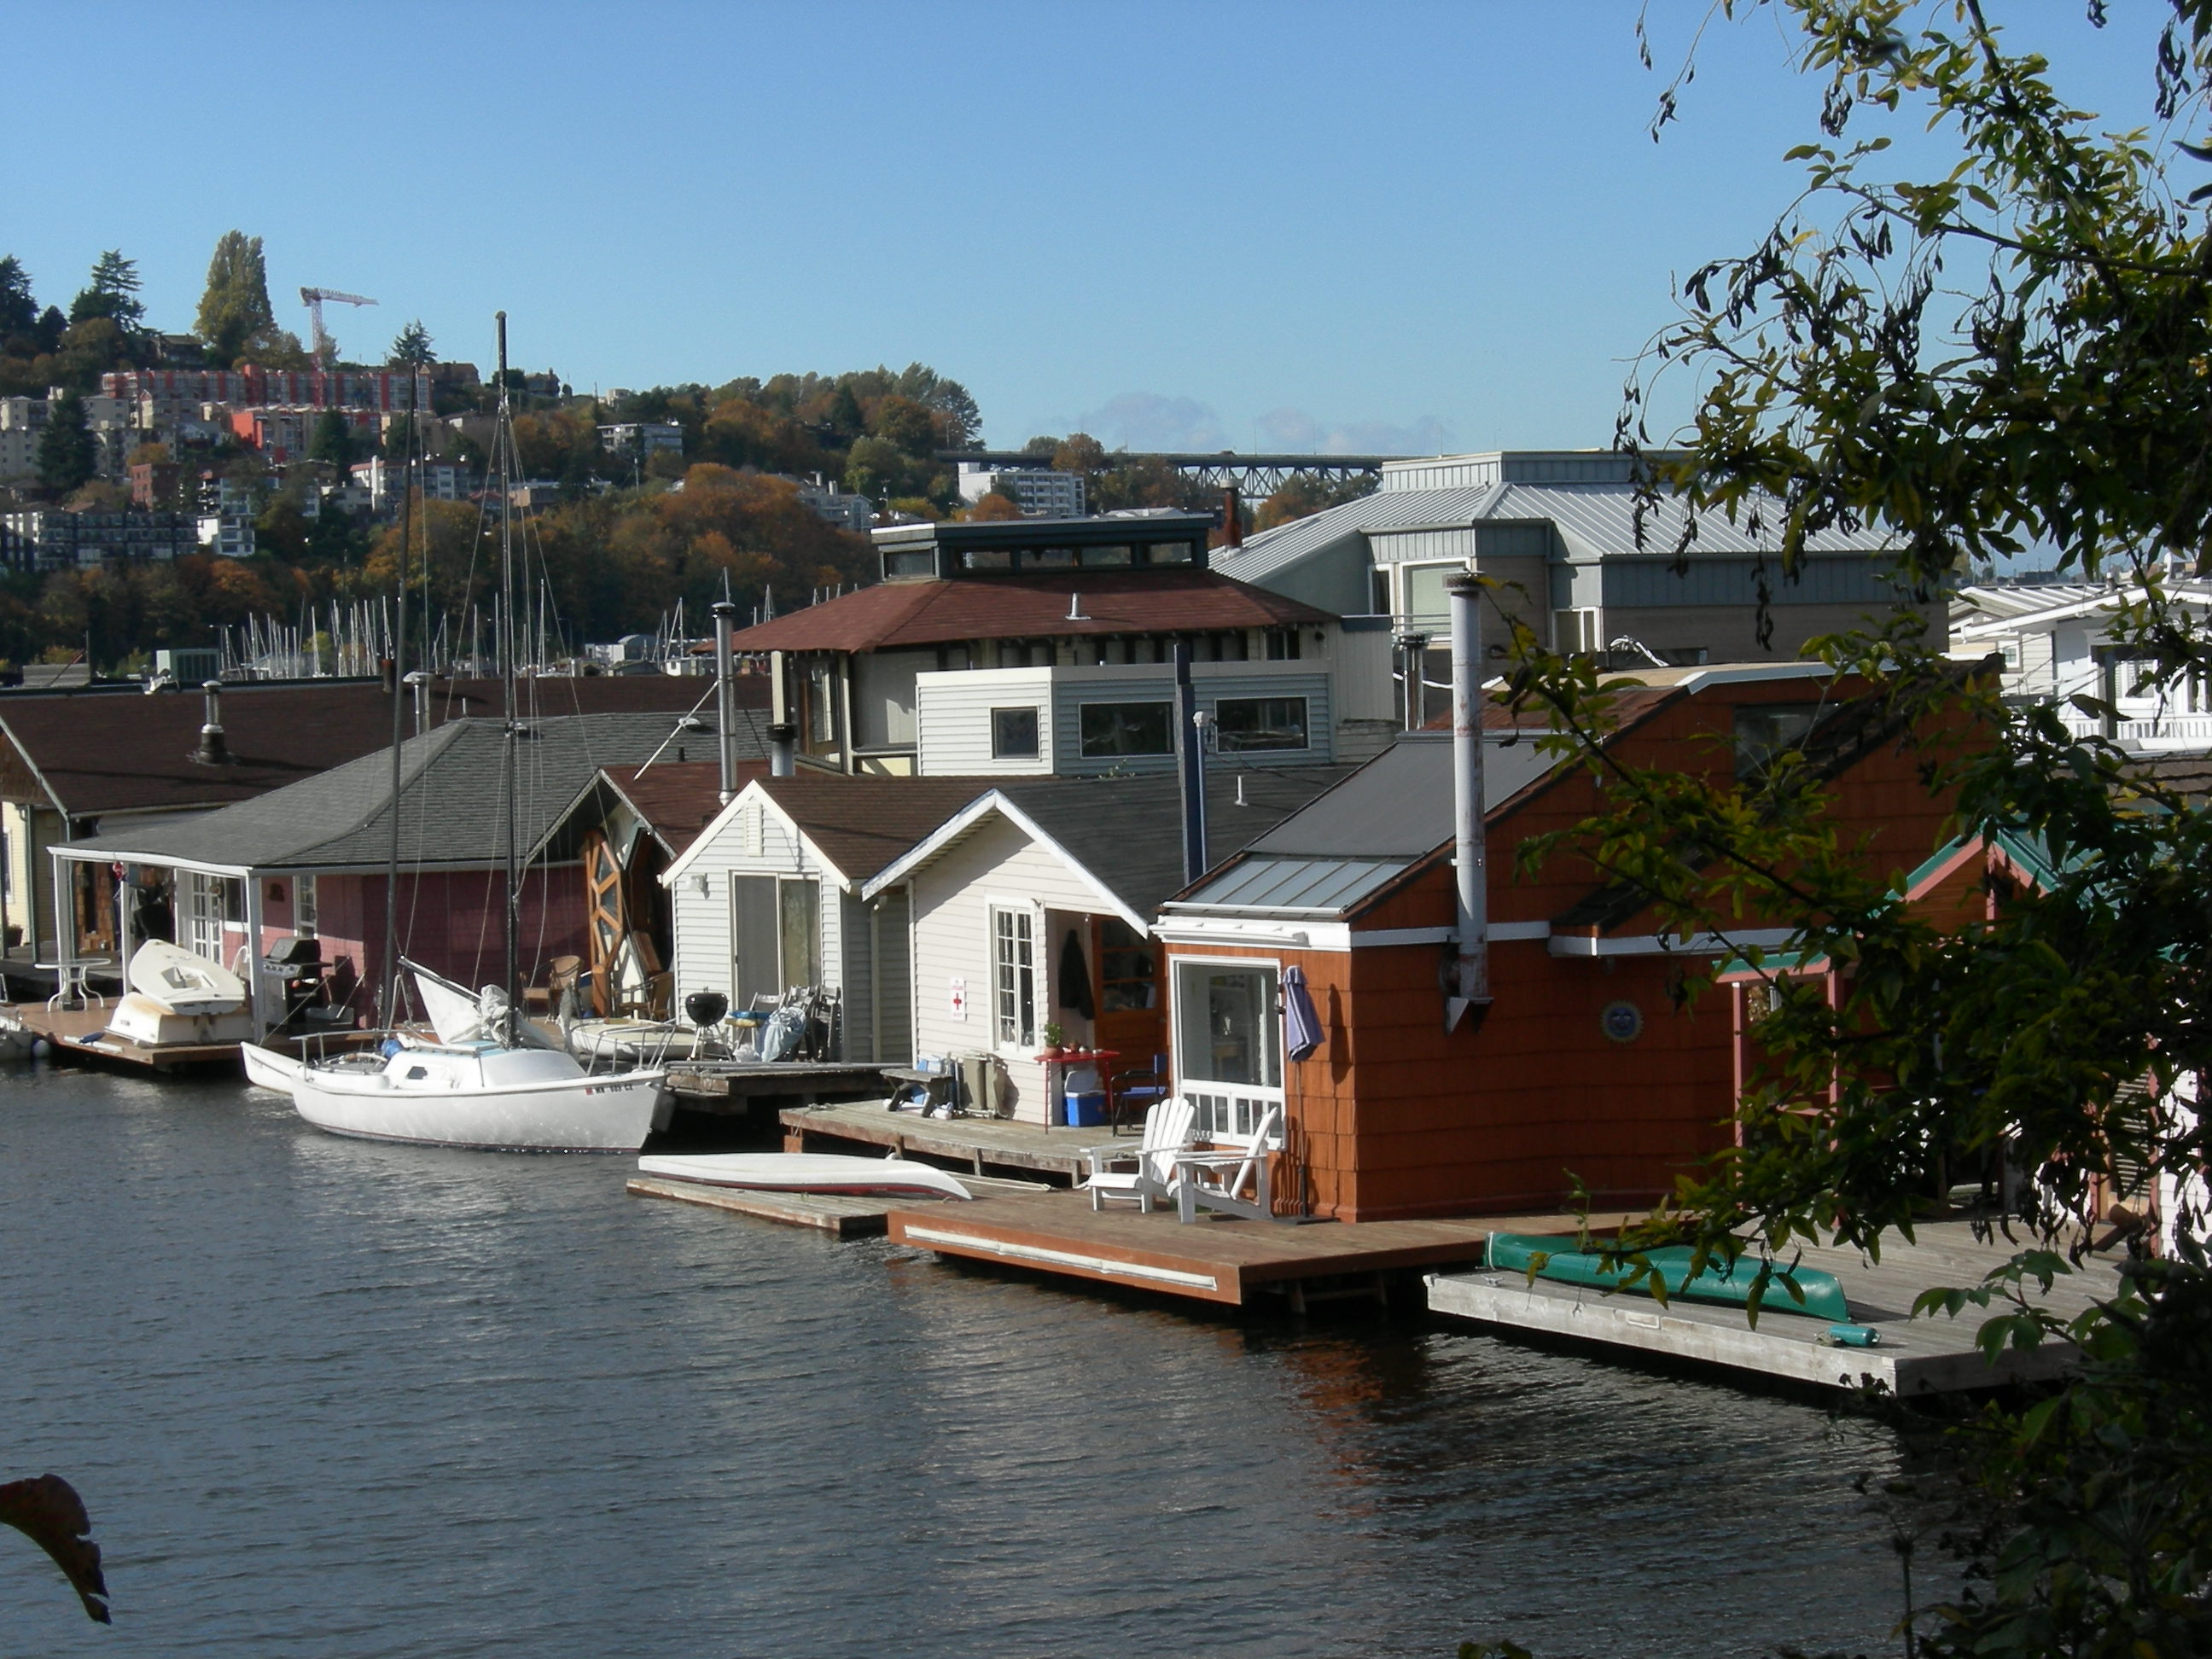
(1823, 1292)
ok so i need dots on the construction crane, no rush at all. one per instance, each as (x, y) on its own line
(312, 298)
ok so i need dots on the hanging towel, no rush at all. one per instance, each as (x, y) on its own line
(1301, 1025)
(1075, 978)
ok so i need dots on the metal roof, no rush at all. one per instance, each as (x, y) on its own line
(1321, 887)
(1596, 520)
(1400, 804)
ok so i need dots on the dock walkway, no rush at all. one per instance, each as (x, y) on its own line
(1912, 1356)
(842, 1215)
(977, 1142)
(723, 1086)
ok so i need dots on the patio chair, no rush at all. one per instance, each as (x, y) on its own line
(1169, 1127)
(1216, 1181)
(1138, 1088)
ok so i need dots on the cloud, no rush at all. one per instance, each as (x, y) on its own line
(1149, 421)
(1292, 431)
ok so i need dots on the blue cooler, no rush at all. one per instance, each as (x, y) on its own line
(1086, 1110)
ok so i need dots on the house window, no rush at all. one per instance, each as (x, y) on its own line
(987, 558)
(1229, 1044)
(1013, 980)
(1247, 724)
(1767, 729)
(1168, 553)
(1111, 729)
(1128, 970)
(1013, 734)
(1282, 645)
(775, 935)
(1096, 558)
(304, 902)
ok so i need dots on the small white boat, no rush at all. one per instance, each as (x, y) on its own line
(480, 1097)
(647, 1040)
(805, 1172)
(178, 997)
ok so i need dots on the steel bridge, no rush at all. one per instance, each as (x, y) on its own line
(1256, 476)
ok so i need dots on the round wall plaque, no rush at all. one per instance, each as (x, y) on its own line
(1622, 1021)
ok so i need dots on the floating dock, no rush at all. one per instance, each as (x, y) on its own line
(1910, 1355)
(83, 1033)
(1218, 1258)
(975, 1143)
(842, 1215)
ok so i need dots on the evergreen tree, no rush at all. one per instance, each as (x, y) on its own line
(19, 311)
(113, 292)
(413, 345)
(67, 457)
(234, 312)
(333, 441)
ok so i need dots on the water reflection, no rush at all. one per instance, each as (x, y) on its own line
(332, 1398)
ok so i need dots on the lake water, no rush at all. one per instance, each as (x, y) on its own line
(327, 1398)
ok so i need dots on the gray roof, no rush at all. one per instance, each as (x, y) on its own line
(1595, 521)
(1128, 832)
(1400, 804)
(453, 813)
(1319, 887)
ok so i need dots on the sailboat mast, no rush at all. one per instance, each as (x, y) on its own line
(506, 636)
(391, 1010)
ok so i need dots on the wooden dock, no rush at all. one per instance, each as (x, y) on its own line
(725, 1086)
(975, 1143)
(1912, 1356)
(80, 1033)
(1216, 1259)
(842, 1215)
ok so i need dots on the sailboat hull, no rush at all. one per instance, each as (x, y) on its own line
(266, 1069)
(440, 1097)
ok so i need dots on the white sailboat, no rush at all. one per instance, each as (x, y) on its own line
(178, 997)
(489, 1081)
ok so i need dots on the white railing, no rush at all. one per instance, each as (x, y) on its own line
(2157, 732)
(1230, 1111)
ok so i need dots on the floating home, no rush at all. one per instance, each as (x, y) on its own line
(1587, 1064)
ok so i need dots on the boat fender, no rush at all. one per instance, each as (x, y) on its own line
(388, 1047)
(1850, 1336)
(41, 1048)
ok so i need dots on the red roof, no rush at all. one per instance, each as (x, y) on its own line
(894, 614)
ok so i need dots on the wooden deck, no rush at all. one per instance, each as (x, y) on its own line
(1913, 1356)
(721, 1086)
(1216, 1259)
(975, 1143)
(839, 1214)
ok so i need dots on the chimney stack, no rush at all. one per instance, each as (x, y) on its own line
(1469, 991)
(1232, 516)
(214, 751)
(1190, 767)
(782, 749)
(726, 699)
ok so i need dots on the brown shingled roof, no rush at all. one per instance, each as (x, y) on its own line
(678, 799)
(894, 614)
(861, 823)
(97, 752)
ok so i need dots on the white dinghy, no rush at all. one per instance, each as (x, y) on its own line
(178, 997)
(806, 1172)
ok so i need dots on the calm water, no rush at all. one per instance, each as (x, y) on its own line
(332, 1399)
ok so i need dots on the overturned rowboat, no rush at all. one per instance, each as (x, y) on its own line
(1729, 1283)
(805, 1172)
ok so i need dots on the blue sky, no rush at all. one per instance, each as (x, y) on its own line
(1393, 226)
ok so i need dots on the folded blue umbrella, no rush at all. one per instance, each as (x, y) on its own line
(1301, 1025)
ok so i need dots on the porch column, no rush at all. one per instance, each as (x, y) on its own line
(252, 974)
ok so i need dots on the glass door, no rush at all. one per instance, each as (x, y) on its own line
(1229, 1044)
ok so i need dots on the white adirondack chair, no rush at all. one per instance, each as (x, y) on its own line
(1169, 1129)
(1218, 1181)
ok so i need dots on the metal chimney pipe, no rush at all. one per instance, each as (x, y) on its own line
(782, 749)
(1470, 986)
(1190, 767)
(214, 749)
(726, 698)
